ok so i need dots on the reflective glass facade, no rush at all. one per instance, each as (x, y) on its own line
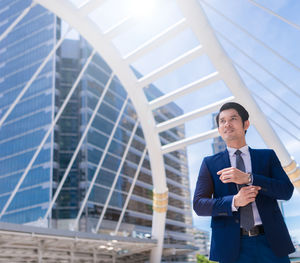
(23, 131)
(21, 53)
(73, 55)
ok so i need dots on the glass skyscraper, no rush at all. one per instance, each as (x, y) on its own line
(21, 53)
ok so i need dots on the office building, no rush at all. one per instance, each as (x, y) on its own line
(218, 144)
(202, 242)
(22, 52)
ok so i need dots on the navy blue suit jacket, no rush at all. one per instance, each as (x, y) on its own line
(214, 198)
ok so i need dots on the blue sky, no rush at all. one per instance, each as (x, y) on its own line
(284, 39)
(280, 36)
(268, 72)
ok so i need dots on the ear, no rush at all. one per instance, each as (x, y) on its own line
(246, 124)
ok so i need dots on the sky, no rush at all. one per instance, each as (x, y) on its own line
(281, 37)
(262, 64)
(273, 82)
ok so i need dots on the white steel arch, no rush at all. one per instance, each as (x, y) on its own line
(195, 19)
(92, 34)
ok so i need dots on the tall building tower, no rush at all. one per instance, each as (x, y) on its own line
(111, 152)
(218, 144)
(21, 53)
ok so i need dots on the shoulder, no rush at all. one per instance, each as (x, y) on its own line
(263, 153)
(215, 157)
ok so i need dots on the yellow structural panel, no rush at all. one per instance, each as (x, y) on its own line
(160, 202)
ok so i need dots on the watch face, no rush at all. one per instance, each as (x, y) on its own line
(249, 177)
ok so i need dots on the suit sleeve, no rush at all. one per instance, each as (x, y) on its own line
(278, 184)
(204, 204)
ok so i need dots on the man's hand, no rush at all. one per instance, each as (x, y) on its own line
(246, 195)
(233, 175)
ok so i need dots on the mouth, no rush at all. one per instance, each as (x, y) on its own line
(229, 131)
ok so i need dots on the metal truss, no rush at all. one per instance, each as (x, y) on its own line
(193, 18)
(35, 244)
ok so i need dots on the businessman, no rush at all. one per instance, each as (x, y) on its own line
(239, 189)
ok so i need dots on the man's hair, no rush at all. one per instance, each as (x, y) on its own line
(236, 106)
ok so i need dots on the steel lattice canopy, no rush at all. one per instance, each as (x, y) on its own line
(27, 243)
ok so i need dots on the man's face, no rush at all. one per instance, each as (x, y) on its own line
(231, 126)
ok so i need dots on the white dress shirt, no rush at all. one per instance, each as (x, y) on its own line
(247, 161)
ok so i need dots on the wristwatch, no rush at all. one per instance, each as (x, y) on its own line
(250, 178)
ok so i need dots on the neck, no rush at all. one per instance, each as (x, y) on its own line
(235, 144)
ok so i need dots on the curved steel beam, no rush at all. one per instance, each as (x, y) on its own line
(90, 31)
(195, 18)
(201, 27)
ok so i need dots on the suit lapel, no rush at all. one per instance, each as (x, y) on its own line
(226, 160)
(254, 162)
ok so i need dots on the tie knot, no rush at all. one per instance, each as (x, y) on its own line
(238, 152)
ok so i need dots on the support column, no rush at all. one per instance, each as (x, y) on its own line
(160, 206)
(201, 27)
(293, 172)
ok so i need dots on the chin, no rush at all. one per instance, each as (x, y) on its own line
(229, 138)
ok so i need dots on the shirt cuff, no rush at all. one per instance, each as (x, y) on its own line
(233, 208)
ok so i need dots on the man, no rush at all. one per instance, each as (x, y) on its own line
(239, 188)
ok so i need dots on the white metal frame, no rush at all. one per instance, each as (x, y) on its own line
(13, 105)
(103, 46)
(130, 190)
(92, 183)
(112, 188)
(19, 243)
(195, 19)
(74, 156)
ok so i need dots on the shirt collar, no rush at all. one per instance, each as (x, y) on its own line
(244, 150)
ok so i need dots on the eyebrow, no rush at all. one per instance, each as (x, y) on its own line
(234, 115)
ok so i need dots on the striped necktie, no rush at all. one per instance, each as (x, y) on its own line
(247, 219)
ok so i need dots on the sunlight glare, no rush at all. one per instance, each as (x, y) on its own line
(142, 8)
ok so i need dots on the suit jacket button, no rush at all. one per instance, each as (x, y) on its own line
(237, 221)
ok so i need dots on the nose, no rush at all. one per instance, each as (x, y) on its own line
(227, 123)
